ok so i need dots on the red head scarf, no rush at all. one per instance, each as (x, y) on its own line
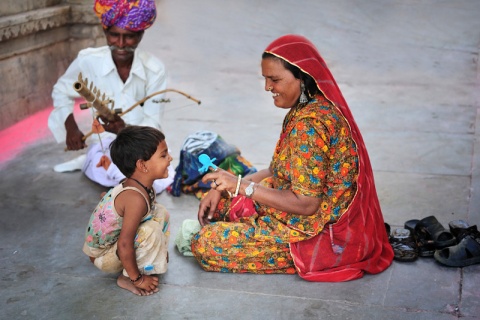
(132, 15)
(361, 228)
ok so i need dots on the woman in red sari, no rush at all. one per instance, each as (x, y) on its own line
(315, 210)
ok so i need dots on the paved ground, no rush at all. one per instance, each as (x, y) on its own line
(408, 69)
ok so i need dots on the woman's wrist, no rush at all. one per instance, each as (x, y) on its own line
(249, 188)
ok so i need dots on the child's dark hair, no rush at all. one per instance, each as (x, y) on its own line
(134, 143)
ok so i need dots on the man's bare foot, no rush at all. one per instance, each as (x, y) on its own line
(125, 283)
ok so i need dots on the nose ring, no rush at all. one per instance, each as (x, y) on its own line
(269, 88)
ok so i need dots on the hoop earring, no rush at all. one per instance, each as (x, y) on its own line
(303, 96)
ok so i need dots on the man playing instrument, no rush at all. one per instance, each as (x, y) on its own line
(121, 71)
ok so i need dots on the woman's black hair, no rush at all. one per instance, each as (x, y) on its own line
(310, 84)
(134, 143)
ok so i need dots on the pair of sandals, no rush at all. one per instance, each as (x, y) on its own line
(458, 247)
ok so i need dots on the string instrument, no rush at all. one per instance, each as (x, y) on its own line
(95, 99)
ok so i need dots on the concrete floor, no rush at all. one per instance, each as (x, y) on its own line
(409, 71)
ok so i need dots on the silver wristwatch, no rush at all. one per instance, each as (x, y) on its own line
(250, 190)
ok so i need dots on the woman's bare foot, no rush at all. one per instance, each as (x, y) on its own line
(125, 283)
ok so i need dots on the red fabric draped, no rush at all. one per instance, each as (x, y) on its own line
(361, 228)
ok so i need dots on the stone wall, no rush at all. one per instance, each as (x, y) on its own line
(38, 40)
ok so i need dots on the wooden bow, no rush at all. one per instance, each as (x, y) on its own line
(95, 99)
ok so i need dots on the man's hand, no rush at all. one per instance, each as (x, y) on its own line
(113, 126)
(74, 139)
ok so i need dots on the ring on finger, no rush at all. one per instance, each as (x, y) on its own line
(216, 184)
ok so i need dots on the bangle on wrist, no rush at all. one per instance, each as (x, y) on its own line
(136, 279)
(238, 185)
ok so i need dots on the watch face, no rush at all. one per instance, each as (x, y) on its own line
(249, 190)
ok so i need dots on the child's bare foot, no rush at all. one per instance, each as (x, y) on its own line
(125, 283)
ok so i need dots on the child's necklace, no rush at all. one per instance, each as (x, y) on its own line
(150, 192)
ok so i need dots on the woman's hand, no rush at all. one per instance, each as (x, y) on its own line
(220, 180)
(207, 207)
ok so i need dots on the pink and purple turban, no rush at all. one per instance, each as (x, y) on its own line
(132, 15)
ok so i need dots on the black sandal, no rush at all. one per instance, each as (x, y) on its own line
(460, 229)
(466, 253)
(429, 235)
(425, 247)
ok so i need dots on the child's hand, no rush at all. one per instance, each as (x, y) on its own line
(104, 162)
(149, 284)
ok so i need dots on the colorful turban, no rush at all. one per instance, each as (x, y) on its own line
(132, 15)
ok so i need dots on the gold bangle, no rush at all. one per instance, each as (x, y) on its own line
(238, 185)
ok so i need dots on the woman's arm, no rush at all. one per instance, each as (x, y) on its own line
(259, 176)
(209, 203)
(284, 200)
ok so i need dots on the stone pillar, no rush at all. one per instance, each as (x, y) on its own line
(38, 40)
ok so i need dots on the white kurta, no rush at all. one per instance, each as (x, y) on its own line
(147, 75)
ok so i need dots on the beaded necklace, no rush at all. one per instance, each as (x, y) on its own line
(150, 192)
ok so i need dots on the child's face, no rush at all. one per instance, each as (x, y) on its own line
(157, 165)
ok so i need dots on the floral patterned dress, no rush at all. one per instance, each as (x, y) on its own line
(315, 156)
(105, 225)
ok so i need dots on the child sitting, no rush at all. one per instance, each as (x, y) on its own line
(128, 230)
